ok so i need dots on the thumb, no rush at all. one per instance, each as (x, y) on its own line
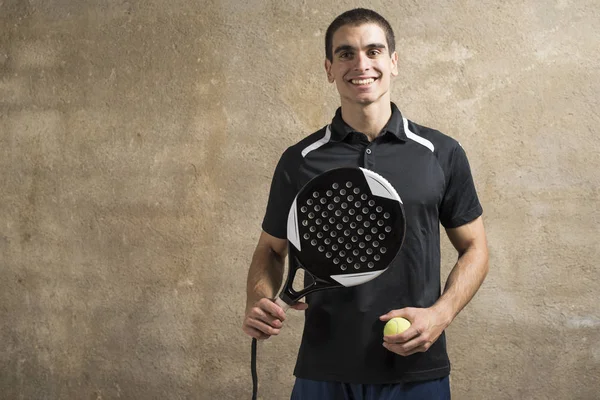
(403, 312)
(299, 306)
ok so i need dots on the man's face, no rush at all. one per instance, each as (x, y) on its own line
(361, 65)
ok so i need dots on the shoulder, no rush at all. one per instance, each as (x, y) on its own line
(296, 152)
(440, 144)
(448, 153)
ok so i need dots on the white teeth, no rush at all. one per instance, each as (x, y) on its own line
(363, 81)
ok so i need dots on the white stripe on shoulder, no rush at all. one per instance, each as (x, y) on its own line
(415, 137)
(318, 143)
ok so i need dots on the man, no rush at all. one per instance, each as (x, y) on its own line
(342, 354)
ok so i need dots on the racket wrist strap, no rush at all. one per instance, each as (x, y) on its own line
(253, 369)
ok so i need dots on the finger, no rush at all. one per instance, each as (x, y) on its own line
(255, 333)
(394, 348)
(416, 345)
(268, 319)
(270, 307)
(403, 337)
(413, 350)
(406, 312)
(261, 326)
(402, 351)
(299, 306)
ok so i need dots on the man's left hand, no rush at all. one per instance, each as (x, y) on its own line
(427, 324)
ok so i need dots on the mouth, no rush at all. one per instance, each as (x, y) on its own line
(362, 81)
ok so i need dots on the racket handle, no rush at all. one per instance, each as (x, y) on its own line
(282, 303)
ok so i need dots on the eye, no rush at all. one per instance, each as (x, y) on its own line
(374, 52)
(345, 55)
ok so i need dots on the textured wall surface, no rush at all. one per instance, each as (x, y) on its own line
(137, 143)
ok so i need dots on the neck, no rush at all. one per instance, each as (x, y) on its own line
(369, 119)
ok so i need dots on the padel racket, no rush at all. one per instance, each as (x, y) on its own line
(344, 228)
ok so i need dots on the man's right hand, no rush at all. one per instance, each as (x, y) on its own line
(265, 318)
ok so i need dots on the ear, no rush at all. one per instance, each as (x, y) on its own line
(394, 61)
(328, 71)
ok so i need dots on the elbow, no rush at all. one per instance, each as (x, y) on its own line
(478, 257)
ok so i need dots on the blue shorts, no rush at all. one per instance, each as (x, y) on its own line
(306, 389)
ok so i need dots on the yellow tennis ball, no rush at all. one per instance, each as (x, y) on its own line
(396, 326)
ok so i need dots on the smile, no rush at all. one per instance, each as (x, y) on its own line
(367, 81)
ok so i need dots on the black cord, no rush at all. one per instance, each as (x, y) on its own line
(253, 369)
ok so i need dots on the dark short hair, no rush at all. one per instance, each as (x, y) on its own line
(358, 16)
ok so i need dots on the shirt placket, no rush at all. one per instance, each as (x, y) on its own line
(369, 156)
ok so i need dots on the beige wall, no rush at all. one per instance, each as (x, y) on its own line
(137, 143)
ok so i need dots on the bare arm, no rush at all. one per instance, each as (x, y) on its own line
(470, 270)
(463, 282)
(263, 317)
(266, 269)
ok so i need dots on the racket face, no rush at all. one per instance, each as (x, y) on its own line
(345, 227)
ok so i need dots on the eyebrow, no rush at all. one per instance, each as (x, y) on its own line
(347, 47)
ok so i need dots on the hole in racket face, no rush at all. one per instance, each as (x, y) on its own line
(357, 232)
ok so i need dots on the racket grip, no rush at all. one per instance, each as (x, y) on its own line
(282, 303)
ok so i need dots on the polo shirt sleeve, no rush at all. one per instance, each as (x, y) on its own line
(281, 196)
(460, 204)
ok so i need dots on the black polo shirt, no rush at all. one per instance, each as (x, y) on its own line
(343, 336)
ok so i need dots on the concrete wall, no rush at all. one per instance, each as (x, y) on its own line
(137, 143)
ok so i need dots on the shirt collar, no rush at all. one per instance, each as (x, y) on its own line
(340, 129)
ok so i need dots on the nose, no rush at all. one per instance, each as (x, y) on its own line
(363, 62)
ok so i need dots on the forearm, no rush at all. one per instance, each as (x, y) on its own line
(265, 274)
(463, 282)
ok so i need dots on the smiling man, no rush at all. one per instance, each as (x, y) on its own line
(343, 354)
(361, 63)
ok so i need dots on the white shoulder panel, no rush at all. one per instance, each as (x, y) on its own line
(416, 138)
(318, 143)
